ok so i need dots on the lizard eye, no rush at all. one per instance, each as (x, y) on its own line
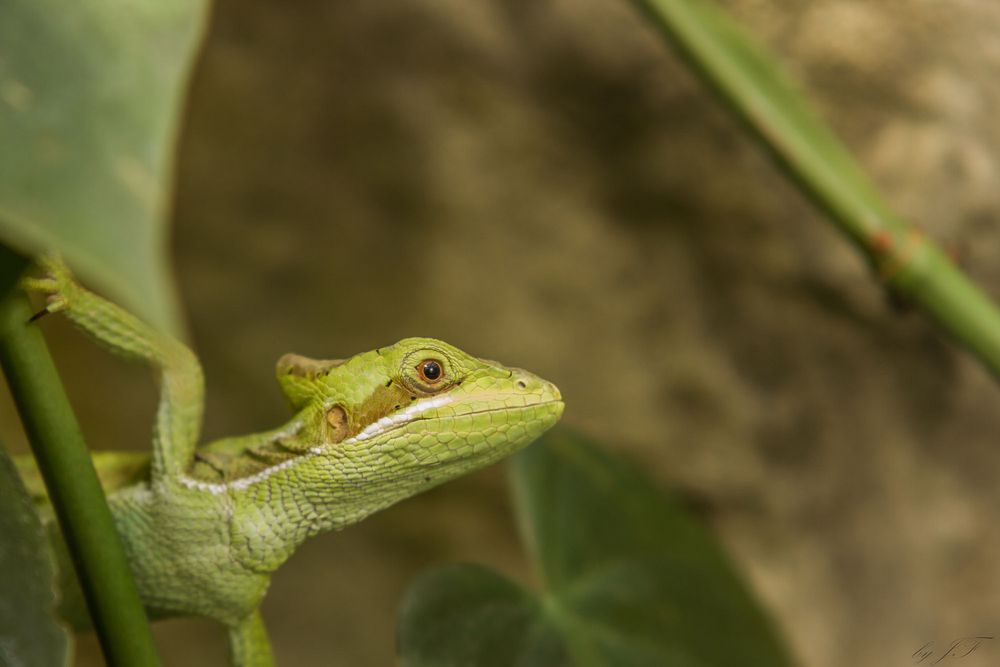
(430, 370)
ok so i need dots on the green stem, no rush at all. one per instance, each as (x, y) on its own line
(751, 83)
(73, 488)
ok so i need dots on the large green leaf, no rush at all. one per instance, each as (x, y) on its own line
(30, 636)
(90, 94)
(628, 578)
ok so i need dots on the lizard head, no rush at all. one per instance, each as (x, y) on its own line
(414, 414)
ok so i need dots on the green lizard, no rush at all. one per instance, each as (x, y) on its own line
(204, 527)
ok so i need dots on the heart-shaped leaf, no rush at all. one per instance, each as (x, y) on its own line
(628, 578)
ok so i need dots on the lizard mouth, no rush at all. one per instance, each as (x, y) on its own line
(419, 413)
(510, 409)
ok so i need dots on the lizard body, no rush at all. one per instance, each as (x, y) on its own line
(204, 527)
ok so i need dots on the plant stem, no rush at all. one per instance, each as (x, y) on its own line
(750, 81)
(73, 488)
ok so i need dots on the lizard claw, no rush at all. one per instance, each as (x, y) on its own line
(39, 315)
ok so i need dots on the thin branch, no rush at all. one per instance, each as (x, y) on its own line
(750, 81)
(73, 487)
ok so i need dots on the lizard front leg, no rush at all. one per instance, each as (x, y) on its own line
(178, 417)
(248, 642)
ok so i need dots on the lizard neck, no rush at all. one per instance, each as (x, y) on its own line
(275, 511)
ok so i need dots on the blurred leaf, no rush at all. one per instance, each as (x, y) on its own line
(628, 578)
(12, 266)
(751, 82)
(90, 95)
(30, 635)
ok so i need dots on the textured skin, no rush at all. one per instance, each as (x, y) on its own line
(207, 527)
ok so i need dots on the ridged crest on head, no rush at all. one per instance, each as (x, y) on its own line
(298, 375)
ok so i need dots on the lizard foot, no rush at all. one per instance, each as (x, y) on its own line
(57, 284)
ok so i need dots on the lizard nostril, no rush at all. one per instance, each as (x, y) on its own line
(520, 383)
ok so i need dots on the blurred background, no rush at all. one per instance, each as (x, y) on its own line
(544, 183)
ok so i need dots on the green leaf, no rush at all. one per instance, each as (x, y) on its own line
(30, 635)
(628, 578)
(469, 615)
(90, 95)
